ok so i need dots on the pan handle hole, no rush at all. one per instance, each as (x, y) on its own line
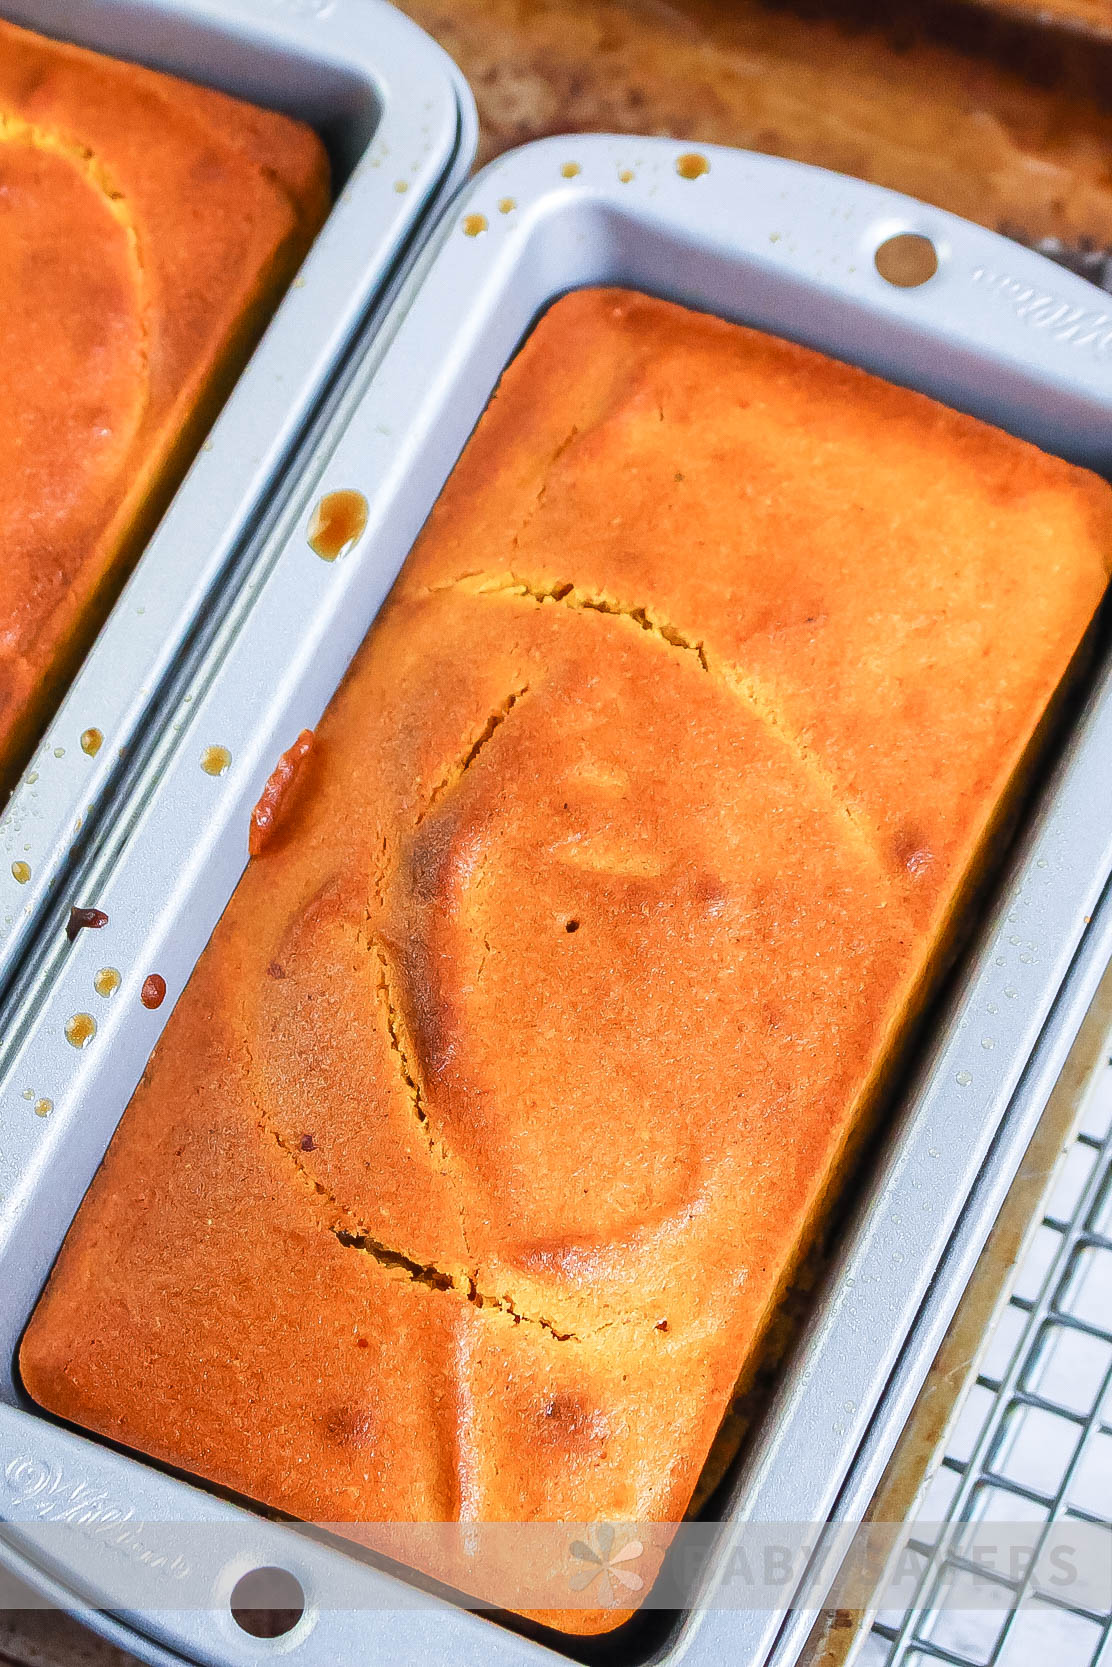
(906, 260)
(267, 1602)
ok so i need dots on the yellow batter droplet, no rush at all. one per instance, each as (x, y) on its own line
(59, 752)
(401, 186)
(107, 981)
(625, 175)
(570, 169)
(506, 205)
(91, 741)
(215, 760)
(21, 871)
(43, 1108)
(80, 1029)
(474, 224)
(691, 165)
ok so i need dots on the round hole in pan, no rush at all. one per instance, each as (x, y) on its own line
(906, 260)
(267, 1602)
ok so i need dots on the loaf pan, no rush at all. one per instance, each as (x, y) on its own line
(992, 109)
(400, 126)
(997, 331)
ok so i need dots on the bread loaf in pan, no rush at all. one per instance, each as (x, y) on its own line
(147, 228)
(501, 1105)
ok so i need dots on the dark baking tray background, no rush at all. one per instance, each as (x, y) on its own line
(557, 66)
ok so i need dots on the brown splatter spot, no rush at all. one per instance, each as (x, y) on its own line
(570, 1422)
(275, 799)
(307, 1143)
(350, 1426)
(362, 1343)
(773, 1016)
(339, 521)
(276, 970)
(153, 993)
(710, 894)
(79, 918)
(913, 851)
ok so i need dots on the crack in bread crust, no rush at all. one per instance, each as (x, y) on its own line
(763, 705)
(742, 684)
(347, 1229)
(15, 130)
(394, 1027)
(353, 1235)
(464, 1286)
(569, 595)
(542, 492)
(455, 775)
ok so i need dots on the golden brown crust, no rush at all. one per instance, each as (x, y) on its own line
(521, 1061)
(148, 227)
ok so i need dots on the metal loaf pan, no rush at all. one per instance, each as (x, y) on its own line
(997, 331)
(400, 126)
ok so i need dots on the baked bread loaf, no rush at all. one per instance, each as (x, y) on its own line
(497, 1112)
(147, 228)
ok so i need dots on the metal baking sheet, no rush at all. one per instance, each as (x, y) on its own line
(400, 125)
(997, 331)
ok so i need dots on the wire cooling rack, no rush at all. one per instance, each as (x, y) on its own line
(1031, 1445)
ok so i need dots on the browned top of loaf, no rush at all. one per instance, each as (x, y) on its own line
(495, 1113)
(145, 225)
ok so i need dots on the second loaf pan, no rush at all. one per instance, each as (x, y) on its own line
(400, 127)
(997, 331)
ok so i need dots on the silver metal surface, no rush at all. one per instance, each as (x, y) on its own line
(1031, 1442)
(401, 128)
(998, 332)
(926, 1335)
